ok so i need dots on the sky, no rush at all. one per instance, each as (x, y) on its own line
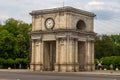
(107, 20)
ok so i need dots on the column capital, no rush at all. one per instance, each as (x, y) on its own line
(61, 37)
(36, 40)
(74, 38)
(90, 39)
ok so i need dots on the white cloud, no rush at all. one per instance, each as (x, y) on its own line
(4, 17)
(108, 6)
(95, 3)
(105, 9)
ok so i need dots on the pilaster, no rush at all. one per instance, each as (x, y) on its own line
(32, 67)
(92, 57)
(61, 54)
(36, 53)
(57, 64)
(89, 56)
(72, 55)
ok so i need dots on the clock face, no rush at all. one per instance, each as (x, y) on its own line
(49, 23)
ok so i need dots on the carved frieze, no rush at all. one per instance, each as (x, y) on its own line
(36, 38)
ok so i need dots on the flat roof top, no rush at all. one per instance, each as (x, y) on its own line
(62, 9)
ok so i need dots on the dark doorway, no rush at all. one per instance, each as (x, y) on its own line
(81, 55)
(49, 55)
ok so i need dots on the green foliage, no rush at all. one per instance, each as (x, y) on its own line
(6, 44)
(14, 63)
(14, 42)
(96, 61)
(107, 45)
(107, 61)
(10, 61)
(2, 61)
(14, 39)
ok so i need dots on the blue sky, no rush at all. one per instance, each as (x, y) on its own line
(107, 20)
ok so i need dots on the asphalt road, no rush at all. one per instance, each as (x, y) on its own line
(53, 76)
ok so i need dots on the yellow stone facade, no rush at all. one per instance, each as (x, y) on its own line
(67, 45)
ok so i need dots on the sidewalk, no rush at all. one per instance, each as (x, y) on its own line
(96, 72)
(15, 70)
(102, 72)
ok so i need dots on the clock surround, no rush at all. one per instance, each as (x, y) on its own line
(49, 23)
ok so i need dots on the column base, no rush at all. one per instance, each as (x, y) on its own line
(32, 67)
(60, 67)
(66, 67)
(89, 67)
(36, 67)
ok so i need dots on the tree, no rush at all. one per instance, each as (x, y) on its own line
(14, 39)
(7, 41)
(107, 45)
(14, 43)
(21, 46)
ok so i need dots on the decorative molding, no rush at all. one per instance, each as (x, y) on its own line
(74, 37)
(64, 31)
(35, 36)
(82, 39)
(90, 38)
(62, 9)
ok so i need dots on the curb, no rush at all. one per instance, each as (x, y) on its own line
(115, 73)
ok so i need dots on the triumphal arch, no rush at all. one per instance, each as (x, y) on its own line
(62, 40)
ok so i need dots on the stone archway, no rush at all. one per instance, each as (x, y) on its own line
(62, 40)
(81, 55)
(49, 56)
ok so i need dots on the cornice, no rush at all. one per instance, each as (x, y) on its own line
(62, 9)
(63, 31)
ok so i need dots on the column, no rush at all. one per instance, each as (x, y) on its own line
(71, 55)
(57, 64)
(32, 67)
(41, 56)
(37, 55)
(93, 65)
(76, 56)
(88, 54)
(63, 55)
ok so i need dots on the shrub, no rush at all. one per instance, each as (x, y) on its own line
(114, 60)
(17, 63)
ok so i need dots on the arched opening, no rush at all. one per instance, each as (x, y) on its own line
(49, 55)
(81, 25)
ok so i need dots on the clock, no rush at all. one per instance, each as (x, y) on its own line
(49, 23)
